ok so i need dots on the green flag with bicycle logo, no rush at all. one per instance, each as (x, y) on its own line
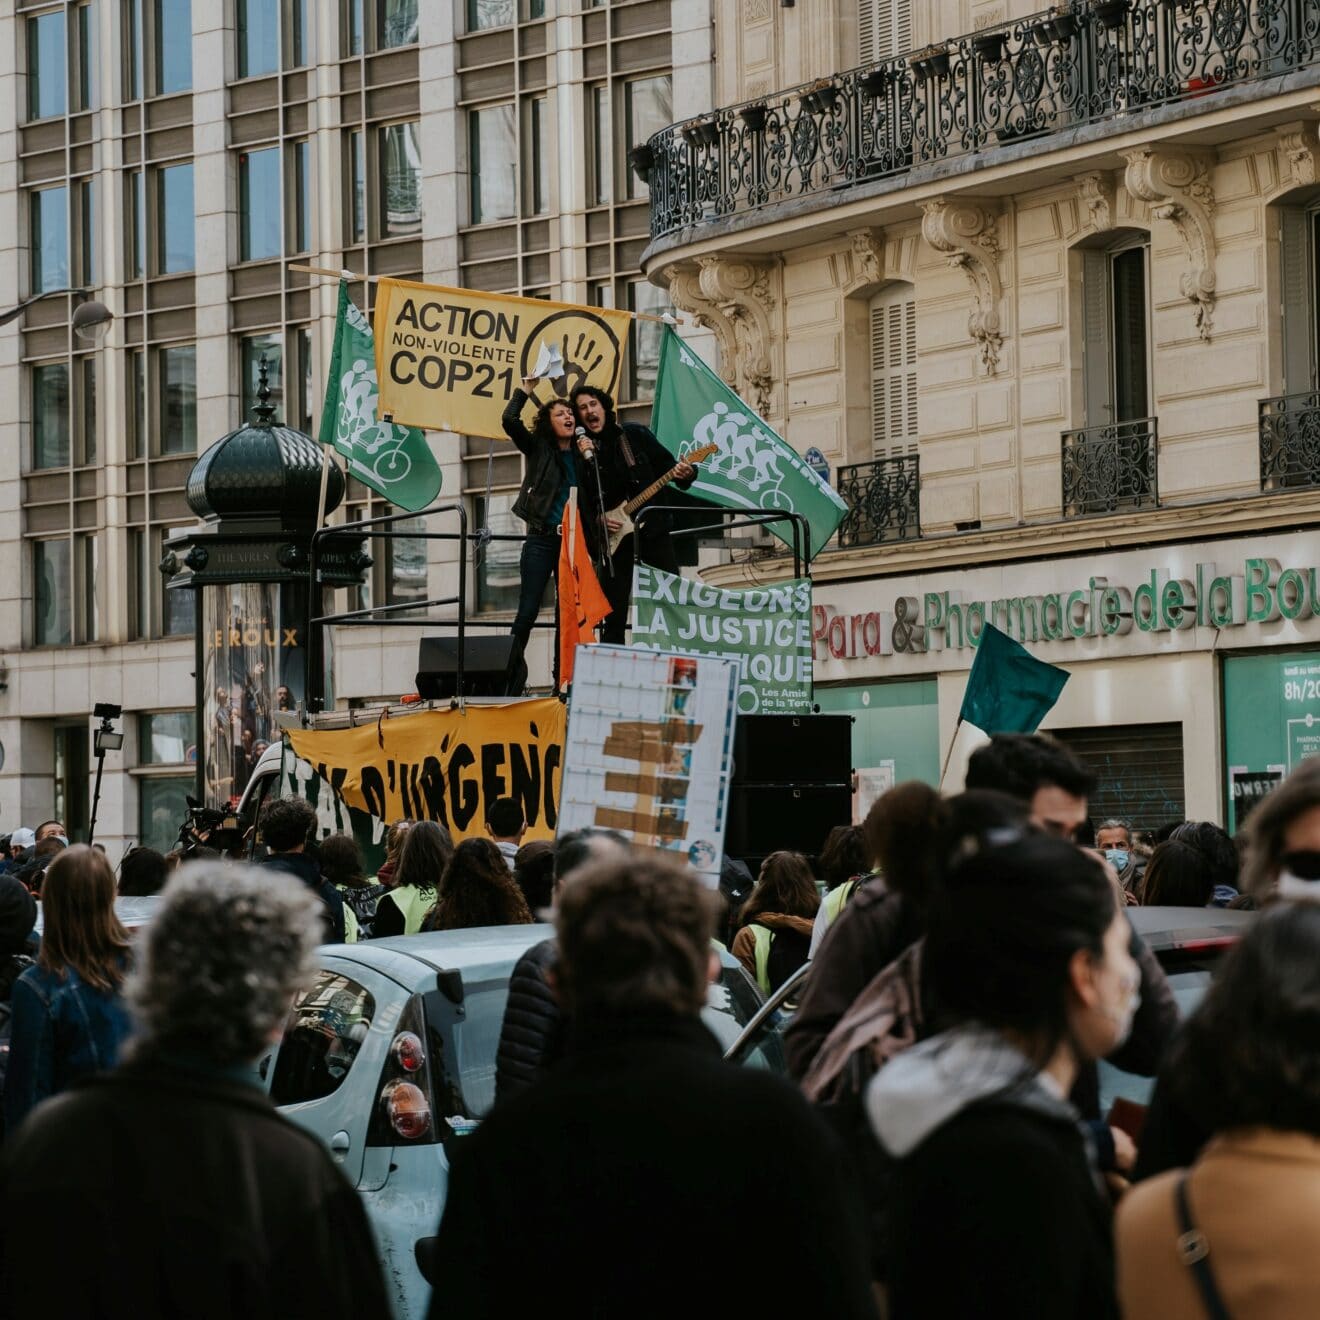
(395, 461)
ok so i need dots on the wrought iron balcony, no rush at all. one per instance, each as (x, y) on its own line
(1110, 469)
(1072, 64)
(1290, 441)
(883, 501)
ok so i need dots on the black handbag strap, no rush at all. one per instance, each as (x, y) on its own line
(1194, 1252)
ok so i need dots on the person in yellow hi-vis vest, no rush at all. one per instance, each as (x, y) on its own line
(426, 852)
(775, 935)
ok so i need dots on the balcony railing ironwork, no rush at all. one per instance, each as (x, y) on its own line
(884, 501)
(1071, 64)
(1109, 469)
(1290, 441)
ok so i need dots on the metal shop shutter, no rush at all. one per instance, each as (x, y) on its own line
(1138, 770)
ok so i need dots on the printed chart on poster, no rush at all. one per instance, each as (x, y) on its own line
(649, 751)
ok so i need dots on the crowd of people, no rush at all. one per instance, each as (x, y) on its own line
(937, 1149)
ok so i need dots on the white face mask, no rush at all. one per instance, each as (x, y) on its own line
(1130, 992)
(1297, 890)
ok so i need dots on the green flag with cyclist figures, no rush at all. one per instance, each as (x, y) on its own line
(395, 461)
(752, 468)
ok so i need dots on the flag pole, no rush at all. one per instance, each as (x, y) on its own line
(372, 279)
(948, 756)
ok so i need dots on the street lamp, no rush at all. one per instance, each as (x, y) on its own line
(91, 319)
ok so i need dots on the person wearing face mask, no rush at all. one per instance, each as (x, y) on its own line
(1114, 839)
(1283, 840)
(1027, 962)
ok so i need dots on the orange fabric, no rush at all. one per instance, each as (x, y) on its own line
(582, 603)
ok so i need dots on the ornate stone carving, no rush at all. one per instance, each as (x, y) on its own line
(732, 297)
(756, 11)
(1095, 194)
(867, 259)
(965, 233)
(1176, 185)
(1300, 150)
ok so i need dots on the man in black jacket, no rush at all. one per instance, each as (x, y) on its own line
(616, 1179)
(630, 459)
(194, 1196)
(287, 825)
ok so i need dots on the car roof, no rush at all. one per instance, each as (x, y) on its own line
(1167, 928)
(413, 960)
(133, 912)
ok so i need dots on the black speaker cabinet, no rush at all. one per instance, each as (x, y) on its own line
(792, 749)
(485, 666)
(764, 818)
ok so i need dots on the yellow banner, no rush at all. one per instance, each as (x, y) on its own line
(449, 359)
(447, 765)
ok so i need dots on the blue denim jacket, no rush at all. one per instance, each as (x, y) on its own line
(62, 1029)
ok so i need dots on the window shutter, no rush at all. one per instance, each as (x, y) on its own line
(894, 372)
(1299, 299)
(1097, 371)
(884, 28)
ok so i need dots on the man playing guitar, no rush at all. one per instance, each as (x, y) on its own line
(630, 460)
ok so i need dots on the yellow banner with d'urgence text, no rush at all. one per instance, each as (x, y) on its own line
(447, 765)
(449, 359)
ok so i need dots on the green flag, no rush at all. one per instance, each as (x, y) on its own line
(395, 461)
(752, 467)
(1009, 690)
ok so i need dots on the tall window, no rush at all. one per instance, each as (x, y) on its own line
(1299, 242)
(489, 14)
(135, 229)
(174, 218)
(50, 415)
(493, 150)
(84, 368)
(177, 376)
(1116, 340)
(167, 757)
(85, 227)
(539, 133)
(48, 210)
(271, 348)
(893, 325)
(87, 588)
(644, 338)
(258, 23)
(396, 23)
(259, 204)
(70, 797)
(48, 65)
(884, 28)
(357, 186)
(648, 107)
(83, 18)
(401, 180)
(52, 624)
(135, 386)
(172, 45)
(602, 147)
(300, 167)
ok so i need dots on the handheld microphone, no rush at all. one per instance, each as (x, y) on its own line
(586, 447)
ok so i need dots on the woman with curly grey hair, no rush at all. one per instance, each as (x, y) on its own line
(279, 1231)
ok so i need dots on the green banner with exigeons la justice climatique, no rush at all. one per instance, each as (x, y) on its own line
(766, 631)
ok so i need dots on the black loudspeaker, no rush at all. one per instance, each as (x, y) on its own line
(792, 749)
(792, 783)
(764, 818)
(485, 666)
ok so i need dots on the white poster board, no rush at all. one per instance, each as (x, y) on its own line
(871, 783)
(649, 751)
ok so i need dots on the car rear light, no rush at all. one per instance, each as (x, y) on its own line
(408, 1109)
(1208, 942)
(408, 1051)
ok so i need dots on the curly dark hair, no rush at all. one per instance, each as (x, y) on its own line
(534, 873)
(602, 397)
(1021, 763)
(477, 890)
(286, 823)
(541, 428)
(842, 856)
(1250, 1054)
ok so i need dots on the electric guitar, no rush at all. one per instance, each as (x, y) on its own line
(622, 514)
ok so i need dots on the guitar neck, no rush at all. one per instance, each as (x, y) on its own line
(631, 506)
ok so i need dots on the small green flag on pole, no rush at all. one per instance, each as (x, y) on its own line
(1009, 690)
(395, 461)
(754, 469)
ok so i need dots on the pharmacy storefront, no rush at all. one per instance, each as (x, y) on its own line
(1195, 669)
